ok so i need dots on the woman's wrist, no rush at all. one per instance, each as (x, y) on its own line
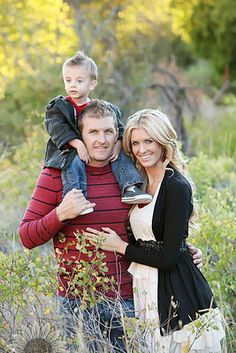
(121, 248)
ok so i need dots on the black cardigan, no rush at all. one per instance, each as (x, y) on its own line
(183, 291)
(171, 215)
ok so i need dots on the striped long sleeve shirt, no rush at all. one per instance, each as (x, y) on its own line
(40, 224)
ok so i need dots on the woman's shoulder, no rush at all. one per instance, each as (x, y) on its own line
(174, 178)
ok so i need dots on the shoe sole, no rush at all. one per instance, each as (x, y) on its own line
(88, 210)
(136, 200)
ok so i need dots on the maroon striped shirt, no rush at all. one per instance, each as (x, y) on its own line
(40, 223)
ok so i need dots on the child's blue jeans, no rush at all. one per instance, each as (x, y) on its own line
(123, 168)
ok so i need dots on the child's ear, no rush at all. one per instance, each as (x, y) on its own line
(93, 85)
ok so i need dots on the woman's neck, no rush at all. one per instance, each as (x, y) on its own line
(154, 176)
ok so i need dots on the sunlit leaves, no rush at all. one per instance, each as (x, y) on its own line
(33, 32)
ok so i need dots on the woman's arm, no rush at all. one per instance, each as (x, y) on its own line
(176, 214)
(178, 206)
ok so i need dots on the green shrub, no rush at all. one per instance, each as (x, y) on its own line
(216, 200)
(213, 137)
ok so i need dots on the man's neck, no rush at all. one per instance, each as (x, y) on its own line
(98, 164)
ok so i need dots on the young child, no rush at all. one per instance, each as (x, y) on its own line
(65, 148)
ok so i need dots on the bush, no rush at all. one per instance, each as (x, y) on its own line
(213, 137)
(216, 196)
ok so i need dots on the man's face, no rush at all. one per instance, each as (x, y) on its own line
(99, 136)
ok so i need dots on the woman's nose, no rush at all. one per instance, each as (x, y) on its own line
(141, 148)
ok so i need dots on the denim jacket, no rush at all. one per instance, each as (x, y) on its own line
(61, 125)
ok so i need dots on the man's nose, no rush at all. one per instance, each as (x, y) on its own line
(101, 137)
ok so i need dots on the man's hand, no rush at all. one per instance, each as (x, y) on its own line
(196, 254)
(72, 205)
(116, 151)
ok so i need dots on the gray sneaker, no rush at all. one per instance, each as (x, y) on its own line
(88, 210)
(134, 195)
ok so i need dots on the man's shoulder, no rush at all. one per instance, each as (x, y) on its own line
(51, 172)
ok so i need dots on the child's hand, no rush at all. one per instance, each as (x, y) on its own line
(81, 149)
(116, 151)
(82, 152)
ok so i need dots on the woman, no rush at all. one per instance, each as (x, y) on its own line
(170, 292)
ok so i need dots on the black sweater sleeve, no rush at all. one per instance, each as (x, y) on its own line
(177, 209)
(119, 119)
(58, 124)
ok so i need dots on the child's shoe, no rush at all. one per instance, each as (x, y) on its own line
(133, 195)
(88, 210)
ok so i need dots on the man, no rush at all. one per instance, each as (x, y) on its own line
(48, 216)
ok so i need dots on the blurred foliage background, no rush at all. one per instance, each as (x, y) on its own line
(175, 54)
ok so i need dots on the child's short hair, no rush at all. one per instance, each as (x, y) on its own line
(80, 58)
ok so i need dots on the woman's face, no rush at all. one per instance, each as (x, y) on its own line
(147, 151)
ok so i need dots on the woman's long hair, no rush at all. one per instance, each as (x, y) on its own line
(160, 129)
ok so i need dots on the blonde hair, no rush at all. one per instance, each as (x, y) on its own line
(80, 58)
(160, 129)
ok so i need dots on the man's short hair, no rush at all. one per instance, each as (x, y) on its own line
(97, 109)
(79, 59)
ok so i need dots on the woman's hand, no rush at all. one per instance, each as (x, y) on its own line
(107, 240)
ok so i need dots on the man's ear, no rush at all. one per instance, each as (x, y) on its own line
(117, 134)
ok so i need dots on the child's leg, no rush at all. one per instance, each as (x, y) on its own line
(74, 177)
(129, 180)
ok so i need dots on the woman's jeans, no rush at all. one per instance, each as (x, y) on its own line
(96, 327)
(123, 169)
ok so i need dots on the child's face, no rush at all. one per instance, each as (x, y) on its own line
(78, 83)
